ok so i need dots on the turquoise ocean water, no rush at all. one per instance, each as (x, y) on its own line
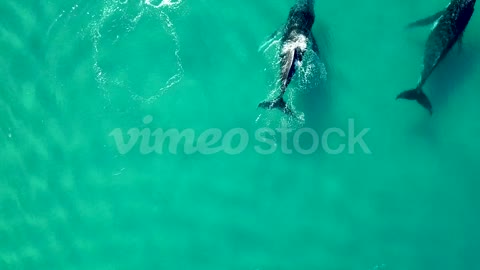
(73, 72)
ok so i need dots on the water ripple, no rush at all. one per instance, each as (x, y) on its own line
(114, 18)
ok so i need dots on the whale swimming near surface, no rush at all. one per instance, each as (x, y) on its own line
(448, 29)
(296, 34)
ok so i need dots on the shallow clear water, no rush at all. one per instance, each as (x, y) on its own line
(77, 75)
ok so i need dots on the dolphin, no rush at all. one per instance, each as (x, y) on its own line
(448, 29)
(296, 34)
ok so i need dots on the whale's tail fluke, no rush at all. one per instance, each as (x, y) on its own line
(278, 103)
(418, 95)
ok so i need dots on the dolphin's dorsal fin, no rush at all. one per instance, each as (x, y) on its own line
(427, 21)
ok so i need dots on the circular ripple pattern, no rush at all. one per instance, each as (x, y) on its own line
(116, 18)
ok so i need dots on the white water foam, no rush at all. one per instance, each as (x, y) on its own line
(299, 42)
(164, 3)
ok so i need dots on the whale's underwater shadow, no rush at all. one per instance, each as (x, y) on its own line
(315, 102)
(450, 75)
(446, 81)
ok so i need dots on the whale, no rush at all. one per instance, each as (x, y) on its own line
(448, 28)
(296, 35)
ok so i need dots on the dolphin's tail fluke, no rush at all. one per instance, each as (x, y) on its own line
(418, 95)
(278, 103)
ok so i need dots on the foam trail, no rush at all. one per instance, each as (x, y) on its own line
(164, 3)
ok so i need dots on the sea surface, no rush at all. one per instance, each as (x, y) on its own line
(92, 175)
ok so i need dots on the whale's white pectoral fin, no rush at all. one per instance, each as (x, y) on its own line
(276, 32)
(427, 21)
(271, 40)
